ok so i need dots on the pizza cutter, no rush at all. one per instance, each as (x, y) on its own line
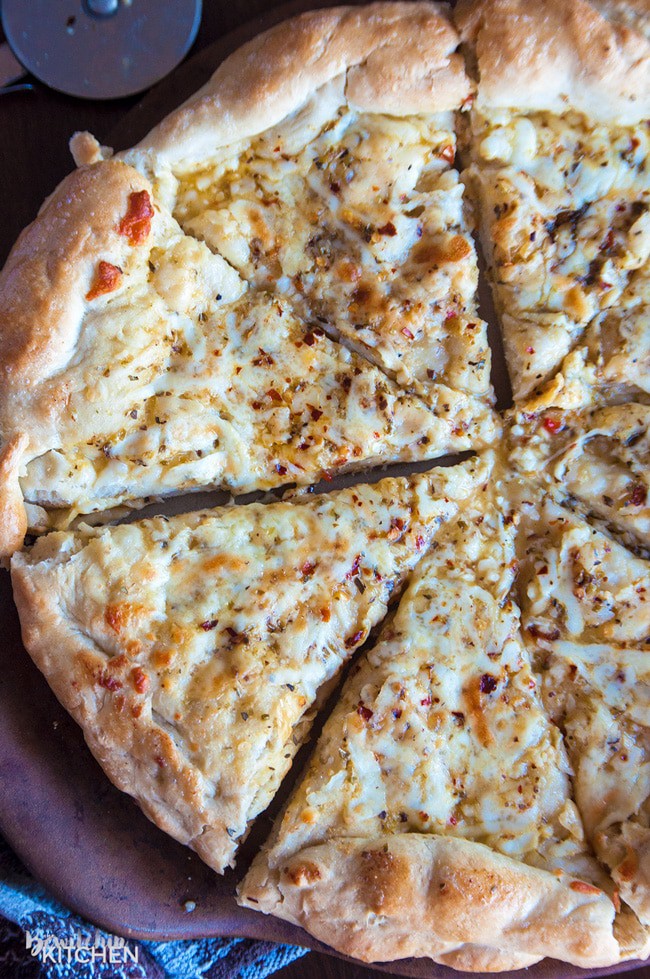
(100, 49)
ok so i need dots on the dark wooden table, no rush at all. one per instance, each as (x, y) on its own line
(34, 157)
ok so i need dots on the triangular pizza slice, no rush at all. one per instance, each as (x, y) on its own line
(586, 616)
(324, 171)
(193, 650)
(559, 154)
(138, 364)
(435, 818)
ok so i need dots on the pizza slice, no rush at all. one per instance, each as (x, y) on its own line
(595, 458)
(558, 149)
(137, 364)
(435, 818)
(193, 650)
(586, 616)
(324, 171)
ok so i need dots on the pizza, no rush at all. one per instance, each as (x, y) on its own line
(192, 650)
(167, 313)
(440, 783)
(278, 287)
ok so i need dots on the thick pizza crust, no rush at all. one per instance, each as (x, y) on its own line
(397, 58)
(360, 896)
(42, 288)
(136, 753)
(560, 54)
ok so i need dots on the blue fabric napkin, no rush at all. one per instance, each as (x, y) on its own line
(64, 946)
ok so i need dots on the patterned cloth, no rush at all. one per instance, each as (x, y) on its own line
(29, 915)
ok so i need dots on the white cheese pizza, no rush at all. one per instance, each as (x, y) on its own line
(278, 285)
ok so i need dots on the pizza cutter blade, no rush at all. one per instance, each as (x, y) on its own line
(100, 49)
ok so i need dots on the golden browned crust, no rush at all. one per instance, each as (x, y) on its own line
(398, 58)
(42, 303)
(560, 54)
(135, 751)
(423, 895)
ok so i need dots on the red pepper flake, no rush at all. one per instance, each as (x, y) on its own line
(448, 152)
(109, 682)
(638, 495)
(419, 542)
(530, 350)
(209, 625)
(140, 679)
(335, 187)
(552, 424)
(424, 816)
(327, 475)
(452, 820)
(354, 640)
(315, 413)
(388, 229)
(274, 395)
(426, 702)
(364, 711)
(354, 570)
(160, 761)
(397, 713)
(107, 279)
(237, 637)
(488, 683)
(136, 223)
(280, 470)
(407, 333)
(395, 530)
(256, 405)
(308, 569)
(310, 339)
